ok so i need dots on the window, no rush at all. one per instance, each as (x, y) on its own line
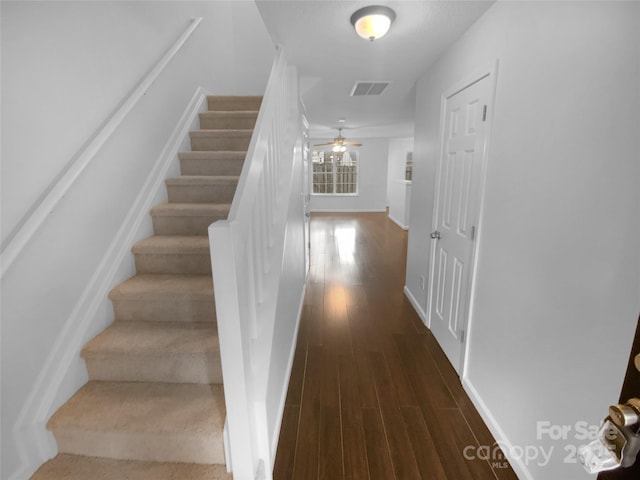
(408, 172)
(335, 173)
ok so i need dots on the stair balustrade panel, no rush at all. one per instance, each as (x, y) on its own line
(247, 254)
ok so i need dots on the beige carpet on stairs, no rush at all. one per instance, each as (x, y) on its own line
(154, 405)
(74, 467)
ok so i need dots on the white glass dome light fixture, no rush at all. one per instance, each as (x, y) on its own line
(373, 22)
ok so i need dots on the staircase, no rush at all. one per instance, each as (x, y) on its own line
(154, 405)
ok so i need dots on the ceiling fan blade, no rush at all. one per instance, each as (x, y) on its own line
(339, 141)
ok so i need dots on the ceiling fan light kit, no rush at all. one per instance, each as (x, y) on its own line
(339, 144)
(373, 22)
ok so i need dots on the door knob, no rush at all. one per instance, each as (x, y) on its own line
(435, 235)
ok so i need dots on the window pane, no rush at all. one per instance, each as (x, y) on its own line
(322, 172)
(347, 173)
(335, 173)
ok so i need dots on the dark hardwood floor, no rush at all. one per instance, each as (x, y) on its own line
(372, 395)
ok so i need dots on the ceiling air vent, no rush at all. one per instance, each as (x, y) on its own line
(368, 88)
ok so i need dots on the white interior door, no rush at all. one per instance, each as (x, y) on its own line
(455, 216)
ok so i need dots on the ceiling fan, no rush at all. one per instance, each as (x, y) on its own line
(339, 143)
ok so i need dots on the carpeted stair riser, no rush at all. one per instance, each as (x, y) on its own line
(150, 298)
(228, 120)
(143, 421)
(173, 263)
(203, 368)
(212, 163)
(228, 140)
(179, 225)
(186, 219)
(201, 189)
(233, 103)
(155, 352)
(173, 254)
(164, 310)
(74, 467)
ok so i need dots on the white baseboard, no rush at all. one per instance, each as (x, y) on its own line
(421, 313)
(34, 443)
(348, 210)
(283, 394)
(260, 472)
(518, 466)
(398, 222)
(227, 446)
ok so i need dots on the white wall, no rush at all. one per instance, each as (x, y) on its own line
(398, 149)
(66, 66)
(372, 180)
(398, 189)
(558, 281)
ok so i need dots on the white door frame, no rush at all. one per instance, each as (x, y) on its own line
(490, 70)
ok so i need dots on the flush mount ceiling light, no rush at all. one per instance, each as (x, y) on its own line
(373, 22)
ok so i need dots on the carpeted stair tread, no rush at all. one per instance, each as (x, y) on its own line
(149, 339)
(203, 180)
(136, 406)
(213, 155)
(237, 119)
(212, 162)
(155, 352)
(78, 467)
(143, 421)
(168, 244)
(222, 133)
(220, 139)
(233, 102)
(192, 209)
(201, 189)
(230, 113)
(150, 286)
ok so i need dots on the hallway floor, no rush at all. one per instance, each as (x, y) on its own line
(372, 395)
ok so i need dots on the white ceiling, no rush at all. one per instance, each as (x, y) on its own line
(318, 37)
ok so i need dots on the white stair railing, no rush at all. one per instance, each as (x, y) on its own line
(246, 256)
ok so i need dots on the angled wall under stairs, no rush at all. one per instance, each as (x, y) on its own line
(154, 403)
